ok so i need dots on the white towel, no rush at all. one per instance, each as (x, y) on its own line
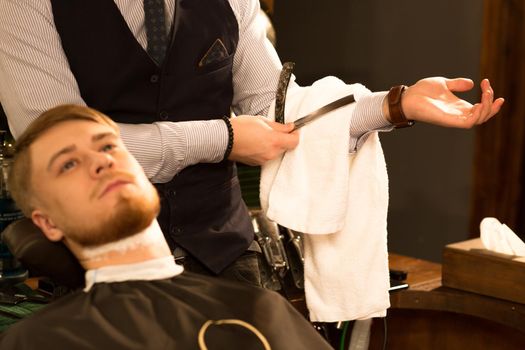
(339, 200)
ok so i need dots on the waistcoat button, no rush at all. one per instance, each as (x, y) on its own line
(175, 231)
(163, 115)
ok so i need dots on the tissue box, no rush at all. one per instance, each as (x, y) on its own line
(469, 266)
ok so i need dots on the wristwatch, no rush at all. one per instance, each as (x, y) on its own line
(397, 117)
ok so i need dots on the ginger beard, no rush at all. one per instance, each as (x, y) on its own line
(135, 209)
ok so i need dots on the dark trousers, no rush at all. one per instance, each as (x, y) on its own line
(245, 269)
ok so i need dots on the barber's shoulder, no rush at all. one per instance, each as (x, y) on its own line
(244, 9)
(36, 7)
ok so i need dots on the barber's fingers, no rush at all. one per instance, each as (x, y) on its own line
(285, 138)
(492, 110)
(487, 98)
(481, 111)
(496, 106)
(485, 86)
(481, 114)
(488, 106)
(288, 141)
(459, 84)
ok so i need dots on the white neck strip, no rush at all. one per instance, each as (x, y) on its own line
(155, 269)
(151, 235)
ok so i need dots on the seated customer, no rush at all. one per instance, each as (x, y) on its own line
(74, 178)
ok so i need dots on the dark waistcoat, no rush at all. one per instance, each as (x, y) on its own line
(202, 210)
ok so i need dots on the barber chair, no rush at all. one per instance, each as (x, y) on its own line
(282, 250)
(43, 257)
(12, 271)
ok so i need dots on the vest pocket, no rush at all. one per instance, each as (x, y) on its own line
(216, 65)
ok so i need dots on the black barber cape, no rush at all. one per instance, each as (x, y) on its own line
(166, 314)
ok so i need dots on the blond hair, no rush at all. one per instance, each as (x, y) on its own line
(19, 180)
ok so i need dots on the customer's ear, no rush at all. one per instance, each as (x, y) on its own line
(47, 226)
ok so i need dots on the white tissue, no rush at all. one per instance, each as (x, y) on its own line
(500, 238)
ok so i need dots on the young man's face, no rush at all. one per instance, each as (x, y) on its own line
(88, 187)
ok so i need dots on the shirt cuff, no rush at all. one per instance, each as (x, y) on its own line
(368, 117)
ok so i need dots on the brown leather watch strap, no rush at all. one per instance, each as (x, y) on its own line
(397, 117)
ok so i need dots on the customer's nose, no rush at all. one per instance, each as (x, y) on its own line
(100, 162)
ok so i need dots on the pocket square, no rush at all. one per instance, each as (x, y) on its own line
(217, 52)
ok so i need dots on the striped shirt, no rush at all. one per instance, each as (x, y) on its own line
(35, 76)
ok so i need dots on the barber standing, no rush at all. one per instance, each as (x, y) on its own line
(169, 72)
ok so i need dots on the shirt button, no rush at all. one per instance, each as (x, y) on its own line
(163, 115)
(154, 78)
(173, 193)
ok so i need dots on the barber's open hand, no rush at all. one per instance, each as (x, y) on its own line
(257, 140)
(432, 100)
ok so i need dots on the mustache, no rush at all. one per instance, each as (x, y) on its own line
(108, 178)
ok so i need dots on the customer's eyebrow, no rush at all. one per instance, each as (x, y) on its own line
(103, 135)
(64, 150)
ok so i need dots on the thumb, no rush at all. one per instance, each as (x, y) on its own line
(280, 127)
(459, 84)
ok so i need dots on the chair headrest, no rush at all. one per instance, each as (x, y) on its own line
(41, 256)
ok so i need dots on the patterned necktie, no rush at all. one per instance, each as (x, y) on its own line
(155, 21)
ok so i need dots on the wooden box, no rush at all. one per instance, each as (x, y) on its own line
(469, 266)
